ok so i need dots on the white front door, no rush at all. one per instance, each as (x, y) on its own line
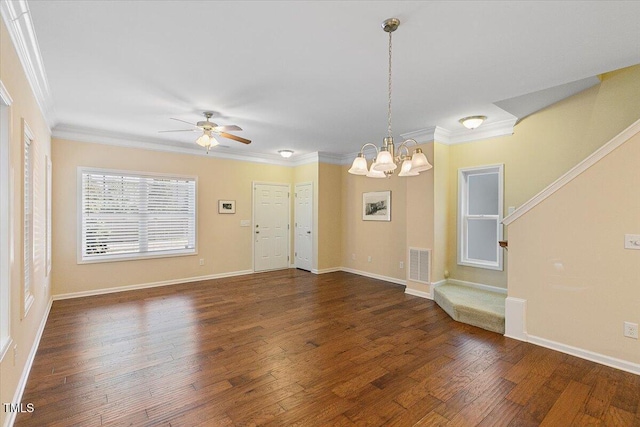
(271, 226)
(304, 226)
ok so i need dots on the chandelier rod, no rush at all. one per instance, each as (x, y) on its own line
(389, 106)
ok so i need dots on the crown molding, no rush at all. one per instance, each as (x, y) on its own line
(448, 137)
(304, 159)
(94, 136)
(486, 131)
(78, 134)
(17, 19)
(594, 158)
(4, 95)
(334, 159)
(421, 136)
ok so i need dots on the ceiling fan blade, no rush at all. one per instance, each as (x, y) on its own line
(183, 121)
(235, 138)
(226, 128)
(179, 130)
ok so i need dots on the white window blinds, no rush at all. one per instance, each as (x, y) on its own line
(28, 217)
(126, 215)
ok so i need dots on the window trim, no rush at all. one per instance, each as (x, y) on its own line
(463, 173)
(137, 256)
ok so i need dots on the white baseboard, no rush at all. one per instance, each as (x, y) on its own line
(477, 286)
(439, 283)
(417, 293)
(22, 383)
(375, 276)
(326, 270)
(149, 285)
(515, 318)
(602, 359)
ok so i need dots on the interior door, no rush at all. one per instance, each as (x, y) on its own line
(304, 226)
(271, 226)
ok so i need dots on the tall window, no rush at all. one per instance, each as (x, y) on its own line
(479, 216)
(5, 210)
(28, 216)
(126, 215)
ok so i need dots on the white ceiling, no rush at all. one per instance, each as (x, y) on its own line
(311, 76)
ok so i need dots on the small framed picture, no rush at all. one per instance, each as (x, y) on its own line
(376, 206)
(226, 206)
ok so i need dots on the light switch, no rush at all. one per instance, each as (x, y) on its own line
(632, 241)
(245, 223)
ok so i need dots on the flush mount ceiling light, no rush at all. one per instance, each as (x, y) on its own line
(472, 122)
(285, 153)
(386, 161)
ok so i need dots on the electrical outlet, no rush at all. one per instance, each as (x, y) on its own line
(401, 264)
(369, 258)
(632, 241)
(631, 330)
(201, 261)
(353, 257)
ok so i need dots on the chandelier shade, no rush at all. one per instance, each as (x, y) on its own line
(359, 166)
(384, 162)
(407, 168)
(419, 162)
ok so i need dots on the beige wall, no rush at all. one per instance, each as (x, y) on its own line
(543, 147)
(225, 246)
(23, 329)
(569, 263)
(385, 242)
(420, 214)
(329, 203)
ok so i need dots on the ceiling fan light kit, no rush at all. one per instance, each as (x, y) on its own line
(210, 130)
(386, 160)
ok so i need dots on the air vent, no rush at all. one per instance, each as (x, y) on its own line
(420, 265)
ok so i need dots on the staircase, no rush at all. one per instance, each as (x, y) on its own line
(477, 307)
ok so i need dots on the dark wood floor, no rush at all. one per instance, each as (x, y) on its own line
(292, 348)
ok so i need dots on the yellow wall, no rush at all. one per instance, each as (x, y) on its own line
(225, 246)
(441, 212)
(24, 330)
(569, 263)
(543, 147)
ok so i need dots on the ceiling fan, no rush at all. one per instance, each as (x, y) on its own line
(209, 129)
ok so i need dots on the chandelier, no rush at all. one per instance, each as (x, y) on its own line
(387, 158)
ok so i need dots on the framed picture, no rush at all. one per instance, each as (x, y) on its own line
(226, 206)
(376, 206)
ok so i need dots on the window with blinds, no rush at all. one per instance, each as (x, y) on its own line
(28, 218)
(125, 215)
